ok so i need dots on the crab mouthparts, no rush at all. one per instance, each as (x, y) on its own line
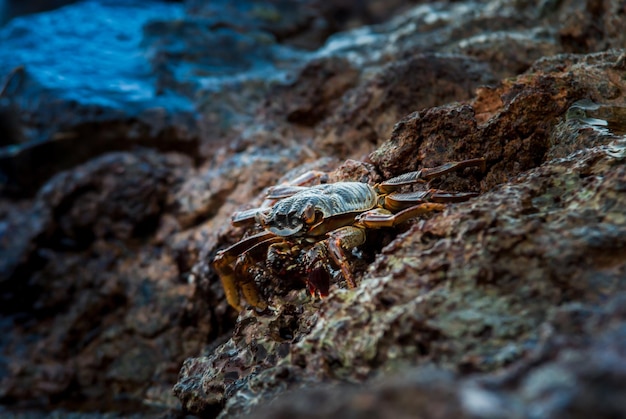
(285, 231)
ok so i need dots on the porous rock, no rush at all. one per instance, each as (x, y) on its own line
(467, 290)
(107, 285)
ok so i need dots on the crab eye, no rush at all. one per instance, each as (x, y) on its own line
(308, 215)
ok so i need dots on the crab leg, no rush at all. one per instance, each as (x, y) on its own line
(284, 191)
(227, 274)
(241, 218)
(345, 238)
(427, 174)
(229, 283)
(312, 177)
(396, 201)
(242, 265)
(380, 217)
(247, 286)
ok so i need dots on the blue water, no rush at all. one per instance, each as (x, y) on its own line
(81, 49)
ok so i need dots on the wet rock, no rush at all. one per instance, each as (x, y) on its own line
(119, 196)
(98, 98)
(304, 25)
(513, 147)
(576, 370)
(508, 52)
(107, 284)
(77, 277)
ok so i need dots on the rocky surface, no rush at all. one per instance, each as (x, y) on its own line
(574, 370)
(123, 162)
(467, 291)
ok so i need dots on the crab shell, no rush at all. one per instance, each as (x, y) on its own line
(319, 209)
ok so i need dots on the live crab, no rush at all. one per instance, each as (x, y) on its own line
(322, 222)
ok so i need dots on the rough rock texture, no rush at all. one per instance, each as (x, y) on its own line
(575, 370)
(120, 174)
(468, 290)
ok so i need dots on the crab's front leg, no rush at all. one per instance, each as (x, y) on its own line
(231, 278)
(221, 263)
(245, 272)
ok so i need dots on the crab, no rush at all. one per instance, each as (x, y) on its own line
(318, 225)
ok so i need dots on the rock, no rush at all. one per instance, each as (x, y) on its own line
(485, 309)
(421, 393)
(76, 277)
(576, 370)
(369, 112)
(466, 290)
